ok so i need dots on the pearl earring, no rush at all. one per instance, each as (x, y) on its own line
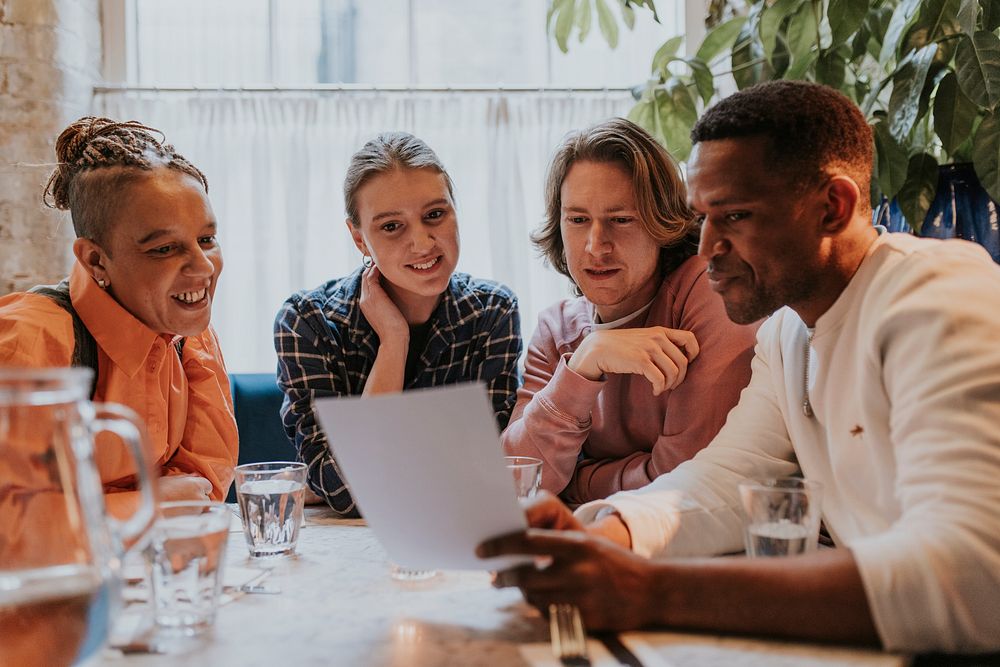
(103, 284)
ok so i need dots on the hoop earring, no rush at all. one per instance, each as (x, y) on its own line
(103, 284)
(368, 261)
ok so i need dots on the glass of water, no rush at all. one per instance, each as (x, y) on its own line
(527, 472)
(271, 496)
(780, 516)
(188, 551)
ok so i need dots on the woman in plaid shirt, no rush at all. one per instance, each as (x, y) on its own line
(405, 319)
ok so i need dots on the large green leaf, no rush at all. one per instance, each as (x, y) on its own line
(891, 161)
(968, 14)
(954, 113)
(830, 68)
(803, 37)
(907, 86)
(628, 14)
(704, 80)
(903, 16)
(977, 63)
(642, 114)
(648, 4)
(720, 38)
(583, 18)
(676, 117)
(666, 53)
(937, 19)
(564, 23)
(991, 14)
(771, 19)
(743, 56)
(607, 23)
(917, 193)
(845, 17)
(986, 154)
(873, 30)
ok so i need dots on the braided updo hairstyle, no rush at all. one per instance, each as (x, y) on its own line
(97, 158)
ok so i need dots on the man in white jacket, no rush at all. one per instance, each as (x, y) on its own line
(878, 374)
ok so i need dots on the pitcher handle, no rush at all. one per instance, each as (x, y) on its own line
(127, 425)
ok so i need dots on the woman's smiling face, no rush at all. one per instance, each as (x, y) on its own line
(407, 224)
(162, 261)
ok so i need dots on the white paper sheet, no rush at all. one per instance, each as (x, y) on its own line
(426, 470)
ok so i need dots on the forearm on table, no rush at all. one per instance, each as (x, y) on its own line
(815, 597)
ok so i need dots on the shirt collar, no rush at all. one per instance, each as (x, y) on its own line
(598, 325)
(125, 340)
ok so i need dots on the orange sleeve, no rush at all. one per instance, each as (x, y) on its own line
(34, 332)
(210, 445)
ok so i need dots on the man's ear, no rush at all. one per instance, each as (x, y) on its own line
(842, 196)
(359, 241)
(93, 258)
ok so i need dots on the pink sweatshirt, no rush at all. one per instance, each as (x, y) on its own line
(627, 435)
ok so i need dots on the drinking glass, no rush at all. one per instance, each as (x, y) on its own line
(60, 551)
(780, 516)
(271, 496)
(188, 553)
(527, 472)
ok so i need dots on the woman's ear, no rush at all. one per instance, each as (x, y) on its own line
(359, 241)
(93, 259)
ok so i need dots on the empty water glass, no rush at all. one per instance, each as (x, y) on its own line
(781, 516)
(188, 552)
(527, 472)
(271, 496)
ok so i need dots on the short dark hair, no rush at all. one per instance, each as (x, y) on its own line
(659, 190)
(809, 128)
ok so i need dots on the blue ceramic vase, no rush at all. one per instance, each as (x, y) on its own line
(961, 209)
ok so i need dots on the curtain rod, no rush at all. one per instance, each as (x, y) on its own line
(356, 88)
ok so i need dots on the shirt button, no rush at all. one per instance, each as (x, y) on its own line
(152, 366)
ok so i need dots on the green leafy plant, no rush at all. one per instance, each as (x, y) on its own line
(925, 72)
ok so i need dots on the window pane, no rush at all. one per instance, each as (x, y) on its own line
(193, 42)
(594, 63)
(454, 42)
(341, 41)
(458, 42)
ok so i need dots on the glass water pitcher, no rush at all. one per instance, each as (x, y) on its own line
(60, 551)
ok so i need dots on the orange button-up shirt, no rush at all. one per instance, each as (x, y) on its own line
(186, 403)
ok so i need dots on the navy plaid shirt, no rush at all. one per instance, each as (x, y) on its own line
(327, 348)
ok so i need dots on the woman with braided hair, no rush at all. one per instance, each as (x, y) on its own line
(136, 306)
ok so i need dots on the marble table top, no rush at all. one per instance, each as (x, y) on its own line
(339, 606)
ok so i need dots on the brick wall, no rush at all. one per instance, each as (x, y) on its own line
(50, 58)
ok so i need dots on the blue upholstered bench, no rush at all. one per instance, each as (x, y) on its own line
(257, 401)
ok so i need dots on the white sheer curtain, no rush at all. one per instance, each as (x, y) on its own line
(275, 164)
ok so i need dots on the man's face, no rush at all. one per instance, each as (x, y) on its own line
(760, 233)
(609, 254)
(164, 261)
